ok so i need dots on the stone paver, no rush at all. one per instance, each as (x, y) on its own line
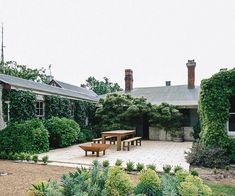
(156, 152)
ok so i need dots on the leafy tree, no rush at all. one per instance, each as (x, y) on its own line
(166, 116)
(120, 111)
(22, 71)
(101, 87)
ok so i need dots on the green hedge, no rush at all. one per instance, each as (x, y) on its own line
(62, 131)
(214, 108)
(28, 136)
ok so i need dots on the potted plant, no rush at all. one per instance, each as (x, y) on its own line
(178, 135)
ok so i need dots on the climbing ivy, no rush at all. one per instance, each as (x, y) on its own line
(84, 113)
(56, 106)
(214, 108)
(22, 104)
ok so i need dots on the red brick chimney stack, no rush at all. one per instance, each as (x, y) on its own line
(191, 64)
(128, 79)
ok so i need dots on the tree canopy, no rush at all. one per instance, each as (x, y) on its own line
(121, 111)
(22, 71)
(101, 87)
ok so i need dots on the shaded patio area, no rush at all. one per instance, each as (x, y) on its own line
(151, 152)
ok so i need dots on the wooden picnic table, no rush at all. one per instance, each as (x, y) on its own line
(117, 133)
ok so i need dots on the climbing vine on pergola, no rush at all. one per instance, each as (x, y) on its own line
(214, 108)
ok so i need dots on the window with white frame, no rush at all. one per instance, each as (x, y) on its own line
(40, 109)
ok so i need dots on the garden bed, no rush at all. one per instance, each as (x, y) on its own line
(22, 175)
(226, 177)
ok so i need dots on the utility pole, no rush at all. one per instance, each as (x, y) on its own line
(2, 51)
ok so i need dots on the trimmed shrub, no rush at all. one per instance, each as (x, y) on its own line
(191, 185)
(194, 172)
(26, 136)
(62, 131)
(139, 167)
(45, 159)
(118, 183)
(167, 168)
(105, 163)
(27, 157)
(201, 155)
(118, 162)
(187, 188)
(130, 166)
(151, 166)
(149, 183)
(177, 168)
(35, 158)
(181, 175)
(202, 188)
(15, 156)
(22, 156)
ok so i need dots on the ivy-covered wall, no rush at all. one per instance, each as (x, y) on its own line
(22, 107)
(214, 108)
(74, 109)
(22, 104)
(57, 106)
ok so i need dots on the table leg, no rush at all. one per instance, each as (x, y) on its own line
(119, 143)
(103, 139)
(97, 153)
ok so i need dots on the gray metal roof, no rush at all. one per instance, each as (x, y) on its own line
(178, 95)
(76, 88)
(44, 88)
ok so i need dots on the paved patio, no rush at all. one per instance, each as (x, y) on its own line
(156, 152)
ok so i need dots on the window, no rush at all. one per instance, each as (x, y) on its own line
(231, 124)
(40, 109)
(72, 110)
(231, 121)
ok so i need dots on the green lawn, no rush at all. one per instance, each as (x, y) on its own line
(221, 189)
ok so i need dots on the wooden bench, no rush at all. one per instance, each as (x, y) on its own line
(131, 141)
(94, 148)
(99, 140)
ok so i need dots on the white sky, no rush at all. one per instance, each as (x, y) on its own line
(103, 37)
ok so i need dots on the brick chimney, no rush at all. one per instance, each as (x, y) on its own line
(191, 64)
(128, 79)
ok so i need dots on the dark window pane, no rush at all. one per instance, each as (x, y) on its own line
(232, 104)
(232, 123)
(186, 117)
(37, 111)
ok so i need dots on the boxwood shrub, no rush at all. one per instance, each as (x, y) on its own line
(25, 136)
(62, 131)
